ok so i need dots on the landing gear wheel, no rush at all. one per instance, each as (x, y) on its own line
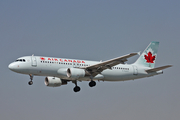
(30, 82)
(92, 83)
(31, 77)
(77, 89)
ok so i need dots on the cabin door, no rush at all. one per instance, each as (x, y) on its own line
(135, 70)
(33, 61)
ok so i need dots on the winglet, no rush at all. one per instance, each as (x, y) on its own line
(139, 53)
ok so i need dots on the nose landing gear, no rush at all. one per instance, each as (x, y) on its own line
(30, 82)
(31, 77)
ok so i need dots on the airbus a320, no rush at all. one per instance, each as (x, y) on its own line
(60, 71)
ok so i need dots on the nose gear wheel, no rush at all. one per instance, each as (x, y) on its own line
(30, 82)
(31, 77)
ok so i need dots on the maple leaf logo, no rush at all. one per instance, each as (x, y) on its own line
(42, 58)
(149, 58)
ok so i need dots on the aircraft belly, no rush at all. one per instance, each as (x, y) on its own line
(118, 75)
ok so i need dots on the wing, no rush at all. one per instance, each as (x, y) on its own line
(98, 68)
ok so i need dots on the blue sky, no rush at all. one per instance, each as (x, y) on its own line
(89, 30)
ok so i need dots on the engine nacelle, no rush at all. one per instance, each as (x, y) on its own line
(75, 73)
(53, 82)
(62, 72)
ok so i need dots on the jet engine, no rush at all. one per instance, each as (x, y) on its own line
(75, 73)
(54, 82)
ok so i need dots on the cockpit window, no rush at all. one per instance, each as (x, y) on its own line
(21, 60)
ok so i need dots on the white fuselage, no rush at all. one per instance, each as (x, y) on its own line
(48, 66)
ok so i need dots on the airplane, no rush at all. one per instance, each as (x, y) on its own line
(60, 71)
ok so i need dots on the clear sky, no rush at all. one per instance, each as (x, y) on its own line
(89, 30)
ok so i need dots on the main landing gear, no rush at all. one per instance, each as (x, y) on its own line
(31, 77)
(76, 88)
(92, 83)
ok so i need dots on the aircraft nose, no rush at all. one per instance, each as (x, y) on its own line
(11, 66)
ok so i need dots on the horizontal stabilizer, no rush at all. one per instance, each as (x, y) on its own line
(158, 68)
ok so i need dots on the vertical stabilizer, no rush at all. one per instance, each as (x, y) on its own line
(149, 56)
